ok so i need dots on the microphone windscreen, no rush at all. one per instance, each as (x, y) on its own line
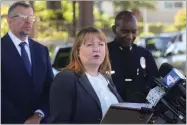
(164, 69)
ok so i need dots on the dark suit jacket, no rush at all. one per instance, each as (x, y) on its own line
(73, 99)
(22, 94)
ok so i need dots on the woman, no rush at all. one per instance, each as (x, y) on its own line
(83, 91)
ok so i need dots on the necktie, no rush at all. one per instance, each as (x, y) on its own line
(25, 57)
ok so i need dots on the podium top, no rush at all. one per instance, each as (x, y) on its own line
(127, 113)
(136, 106)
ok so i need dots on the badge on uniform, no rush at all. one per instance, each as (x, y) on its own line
(128, 80)
(112, 72)
(143, 62)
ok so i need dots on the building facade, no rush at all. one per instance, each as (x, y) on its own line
(165, 11)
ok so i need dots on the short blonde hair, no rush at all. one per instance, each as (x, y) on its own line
(75, 62)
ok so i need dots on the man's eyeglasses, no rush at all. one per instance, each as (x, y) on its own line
(30, 17)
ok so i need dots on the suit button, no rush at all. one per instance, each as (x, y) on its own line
(99, 119)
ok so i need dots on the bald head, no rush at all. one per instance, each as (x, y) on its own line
(125, 15)
(125, 28)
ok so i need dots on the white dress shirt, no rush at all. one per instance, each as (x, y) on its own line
(16, 42)
(106, 97)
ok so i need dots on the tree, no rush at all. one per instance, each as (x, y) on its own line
(102, 20)
(85, 14)
(54, 5)
(55, 23)
(180, 19)
(134, 6)
(4, 25)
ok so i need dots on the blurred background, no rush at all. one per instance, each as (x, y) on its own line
(161, 26)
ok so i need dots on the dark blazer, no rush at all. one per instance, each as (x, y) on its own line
(127, 65)
(73, 99)
(22, 94)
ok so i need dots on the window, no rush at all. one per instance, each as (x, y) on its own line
(168, 4)
(178, 5)
(172, 4)
(62, 58)
(157, 43)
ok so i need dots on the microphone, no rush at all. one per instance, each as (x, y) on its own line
(165, 68)
(157, 95)
(167, 95)
(172, 77)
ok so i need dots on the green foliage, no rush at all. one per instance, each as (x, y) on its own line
(129, 5)
(133, 4)
(4, 27)
(170, 28)
(67, 10)
(53, 24)
(102, 20)
(140, 27)
(143, 34)
(4, 24)
(180, 19)
(39, 5)
(155, 28)
(45, 14)
(49, 30)
(4, 10)
(50, 24)
(54, 35)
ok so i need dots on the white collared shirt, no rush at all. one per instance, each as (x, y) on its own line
(106, 97)
(17, 41)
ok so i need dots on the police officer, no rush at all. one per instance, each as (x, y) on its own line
(133, 66)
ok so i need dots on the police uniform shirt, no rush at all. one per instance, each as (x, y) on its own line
(130, 78)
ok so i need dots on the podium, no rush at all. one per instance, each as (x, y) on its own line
(128, 113)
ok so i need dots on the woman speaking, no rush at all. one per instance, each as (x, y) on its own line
(83, 91)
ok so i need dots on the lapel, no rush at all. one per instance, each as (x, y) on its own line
(31, 47)
(12, 52)
(112, 88)
(36, 63)
(88, 87)
(114, 92)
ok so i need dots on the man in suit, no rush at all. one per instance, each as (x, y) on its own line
(26, 72)
(133, 66)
